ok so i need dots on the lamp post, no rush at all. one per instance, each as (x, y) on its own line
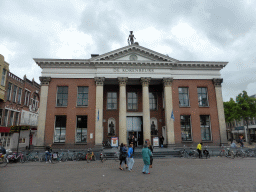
(18, 142)
(30, 137)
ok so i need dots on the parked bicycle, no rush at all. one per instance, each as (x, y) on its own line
(206, 153)
(106, 144)
(81, 156)
(184, 153)
(90, 156)
(103, 156)
(3, 159)
(32, 156)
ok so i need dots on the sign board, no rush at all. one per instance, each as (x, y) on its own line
(91, 135)
(114, 141)
(155, 141)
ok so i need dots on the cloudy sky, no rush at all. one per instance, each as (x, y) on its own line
(199, 30)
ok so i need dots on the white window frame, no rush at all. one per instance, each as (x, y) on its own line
(15, 96)
(209, 129)
(19, 100)
(10, 94)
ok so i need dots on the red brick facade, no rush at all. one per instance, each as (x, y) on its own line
(71, 111)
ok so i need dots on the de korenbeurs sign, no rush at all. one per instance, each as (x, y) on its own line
(128, 70)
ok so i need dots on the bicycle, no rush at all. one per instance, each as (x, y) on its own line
(81, 156)
(240, 153)
(206, 153)
(184, 153)
(31, 157)
(222, 152)
(90, 156)
(3, 159)
(250, 153)
(103, 156)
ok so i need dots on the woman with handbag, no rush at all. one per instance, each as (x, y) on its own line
(123, 155)
(151, 157)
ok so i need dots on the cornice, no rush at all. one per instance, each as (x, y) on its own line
(64, 63)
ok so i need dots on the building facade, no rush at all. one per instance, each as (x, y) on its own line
(19, 108)
(130, 91)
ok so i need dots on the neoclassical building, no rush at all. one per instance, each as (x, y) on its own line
(130, 91)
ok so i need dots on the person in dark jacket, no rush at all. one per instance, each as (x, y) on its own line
(123, 155)
(161, 141)
(48, 151)
(151, 157)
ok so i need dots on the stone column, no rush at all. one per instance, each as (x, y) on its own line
(146, 110)
(122, 110)
(42, 112)
(168, 107)
(220, 108)
(99, 110)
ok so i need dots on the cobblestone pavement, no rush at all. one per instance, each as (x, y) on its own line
(173, 174)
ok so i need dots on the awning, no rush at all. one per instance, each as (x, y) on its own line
(5, 129)
(239, 128)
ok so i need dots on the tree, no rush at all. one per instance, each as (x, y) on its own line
(246, 108)
(230, 111)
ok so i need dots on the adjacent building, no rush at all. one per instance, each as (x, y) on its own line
(19, 109)
(130, 91)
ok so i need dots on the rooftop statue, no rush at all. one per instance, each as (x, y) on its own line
(131, 38)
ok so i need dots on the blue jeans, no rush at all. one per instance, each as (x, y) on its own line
(146, 169)
(130, 163)
(46, 155)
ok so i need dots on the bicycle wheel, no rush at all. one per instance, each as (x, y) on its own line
(94, 158)
(88, 160)
(221, 154)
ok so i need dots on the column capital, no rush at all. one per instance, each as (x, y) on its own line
(122, 80)
(145, 81)
(167, 81)
(45, 80)
(99, 81)
(217, 82)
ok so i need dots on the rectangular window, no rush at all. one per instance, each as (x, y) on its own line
(82, 96)
(185, 124)
(60, 129)
(81, 129)
(153, 101)
(11, 118)
(19, 96)
(183, 97)
(9, 90)
(27, 96)
(62, 96)
(132, 101)
(3, 77)
(16, 119)
(202, 96)
(111, 100)
(14, 93)
(5, 117)
(205, 127)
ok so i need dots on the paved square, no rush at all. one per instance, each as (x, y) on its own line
(173, 174)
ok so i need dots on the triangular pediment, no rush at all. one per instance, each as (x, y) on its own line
(134, 52)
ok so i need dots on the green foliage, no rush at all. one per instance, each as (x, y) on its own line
(246, 106)
(230, 108)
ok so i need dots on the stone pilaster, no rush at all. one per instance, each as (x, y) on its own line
(42, 112)
(146, 110)
(99, 81)
(220, 108)
(168, 107)
(122, 110)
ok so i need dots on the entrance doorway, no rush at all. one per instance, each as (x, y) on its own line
(135, 127)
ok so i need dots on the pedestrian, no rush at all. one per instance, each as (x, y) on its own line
(48, 151)
(151, 157)
(123, 155)
(133, 143)
(241, 141)
(199, 149)
(130, 157)
(146, 153)
(161, 141)
(2, 150)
